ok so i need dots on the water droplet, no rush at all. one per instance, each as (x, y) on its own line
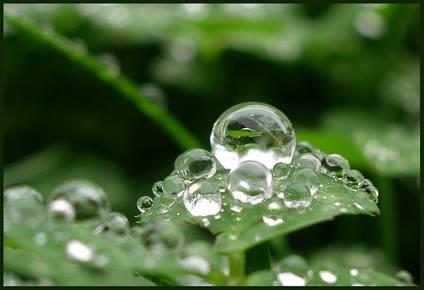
(232, 237)
(272, 221)
(303, 147)
(328, 277)
(221, 180)
(22, 204)
(236, 206)
(253, 132)
(335, 165)
(76, 250)
(173, 185)
(309, 178)
(195, 164)
(405, 277)
(87, 199)
(251, 182)
(115, 223)
(274, 206)
(281, 170)
(217, 217)
(202, 198)
(357, 205)
(154, 93)
(144, 204)
(160, 236)
(297, 195)
(111, 62)
(352, 178)
(354, 272)
(367, 186)
(61, 210)
(157, 188)
(290, 279)
(308, 160)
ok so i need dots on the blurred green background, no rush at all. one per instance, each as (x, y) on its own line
(347, 76)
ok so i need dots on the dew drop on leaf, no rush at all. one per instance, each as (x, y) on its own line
(308, 160)
(173, 185)
(352, 178)
(335, 165)
(79, 251)
(87, 199)
(281, 170)
(157, 188)
(251, 182)
(202, 198)
(195, 164)
(60, 210)
(327, 277)
(253, 132)
(144, 204)
(297, 195)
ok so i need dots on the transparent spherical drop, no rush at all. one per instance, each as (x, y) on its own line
(303, 147)
(352, 178)
(23, 204)
(250, 182)
(335, 165)
(293, 264)
(253, 132)
(405, 277)
(195, 164)
(308, 160)
(202, 198)
(220, 180)
(160, 236)
(60, 210)
(115, 223)
(87, 199)
(308, 177)
(282, 170)
(369, 188)
(144, 204)
(297, 195)
(173, 185)
(157, 188)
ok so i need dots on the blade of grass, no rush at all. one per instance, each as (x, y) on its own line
(172, 126)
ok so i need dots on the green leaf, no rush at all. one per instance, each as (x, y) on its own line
(241, 231)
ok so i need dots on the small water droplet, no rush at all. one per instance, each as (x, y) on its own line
(251, 182)
(297, 195)
(160, 236)
(352, 178)
(327, 277)
(196, 264)
(275, 205)
(195, 164)
(79, 251)
(144, 204)
(272, 221)
(174, 185)
(367, 186)
(281, 170)
(115, 223)
(206, 222)
(309, 178)
(303, 147)
(217, 217)
(157, 188)
(290, 279)
(308, 160)
(357, 205)
(354, 272)
(335, 165)
(253, 132)
(40, 239)
(154, 93)
(232, 237)
(202, 198)
(87, 199)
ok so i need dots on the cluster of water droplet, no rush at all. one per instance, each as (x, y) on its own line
(254, 156)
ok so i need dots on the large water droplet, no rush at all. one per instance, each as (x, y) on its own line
(144, 204)
(202, 198)
(405, 277)
(251, 182)
(297, 195)
(253, 132)
(335, 165)
(195, 164)
(307, 177)
(79, 251)
(87, 199)
(352, 178)
(173, 185)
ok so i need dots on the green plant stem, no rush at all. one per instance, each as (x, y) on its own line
(237, 262)
(388, 217)
(125, 87)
